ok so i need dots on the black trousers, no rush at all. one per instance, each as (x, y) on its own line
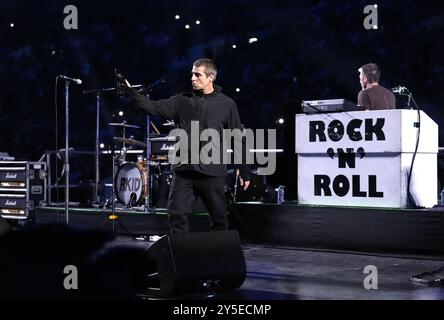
(184, 188)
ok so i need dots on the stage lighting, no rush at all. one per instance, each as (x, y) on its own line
(102, 145)
(252, 40)
(11, 25)
(234, 46)
(187, 26)
(237, 89)
(177, 17)
(197, 21)
(281, 121)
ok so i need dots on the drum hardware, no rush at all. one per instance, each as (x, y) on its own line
(160, 158)
(166, 139)
(121, 82)
(113, 217)
(130, 141)
(98, 93)
(123, 139)
(169, 123)
(134, 181)
(131, 183)
(119, 77)
(123, 125)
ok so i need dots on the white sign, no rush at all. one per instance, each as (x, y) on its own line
(363, 158)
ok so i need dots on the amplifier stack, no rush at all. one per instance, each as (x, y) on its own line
(22, 188)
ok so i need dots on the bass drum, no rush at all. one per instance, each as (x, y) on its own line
(131, 183)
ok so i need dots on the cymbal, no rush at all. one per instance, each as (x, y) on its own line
(130, 141)
(165, 139)
(169, 124)
(123, 124)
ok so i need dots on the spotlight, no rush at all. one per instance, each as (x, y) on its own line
(177, 17)
(187, 26)
(102, 145)
(197, 21)
(376, 6)
(281, 121)
(252, 40)
(11, 24)
(237, 89)
(234, 46)
(121, 113)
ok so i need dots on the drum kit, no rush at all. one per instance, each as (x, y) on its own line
(133, 181)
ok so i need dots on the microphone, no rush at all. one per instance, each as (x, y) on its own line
(76, 81)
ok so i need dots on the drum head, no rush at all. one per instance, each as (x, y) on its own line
(130, 184)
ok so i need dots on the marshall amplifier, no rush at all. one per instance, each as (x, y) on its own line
(161, 145)
(22, 188)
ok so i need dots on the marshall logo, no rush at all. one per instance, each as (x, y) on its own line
(10, 203)
(167, 147)
(11, 175)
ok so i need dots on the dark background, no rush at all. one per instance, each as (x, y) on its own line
(305, 50)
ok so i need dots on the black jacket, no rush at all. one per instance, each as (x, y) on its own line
(214, 110)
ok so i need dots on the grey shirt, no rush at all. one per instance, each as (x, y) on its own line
(376, 98)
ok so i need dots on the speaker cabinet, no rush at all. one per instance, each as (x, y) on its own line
(195, 263)
(22, 188)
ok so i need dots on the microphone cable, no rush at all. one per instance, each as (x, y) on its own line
(418, 124)
(403, 91)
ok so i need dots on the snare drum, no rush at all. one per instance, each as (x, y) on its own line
(131, 183)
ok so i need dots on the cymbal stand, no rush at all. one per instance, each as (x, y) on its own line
(124, 149)
(149, 198)
(98, 93)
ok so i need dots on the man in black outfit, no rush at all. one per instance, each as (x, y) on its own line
(373, 96)
(213, 109)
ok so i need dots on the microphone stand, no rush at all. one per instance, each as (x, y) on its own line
(66, 164)
(409, 100)
(96, 156)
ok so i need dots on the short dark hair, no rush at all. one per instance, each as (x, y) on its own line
(371, 72)
(210, 66)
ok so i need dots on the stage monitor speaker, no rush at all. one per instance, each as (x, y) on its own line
(195, 263)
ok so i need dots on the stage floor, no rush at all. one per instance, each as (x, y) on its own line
(275, 273)
(289, 272)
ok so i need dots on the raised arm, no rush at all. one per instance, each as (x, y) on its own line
(166, 108)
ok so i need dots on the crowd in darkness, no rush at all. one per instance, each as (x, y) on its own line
(305, 50)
